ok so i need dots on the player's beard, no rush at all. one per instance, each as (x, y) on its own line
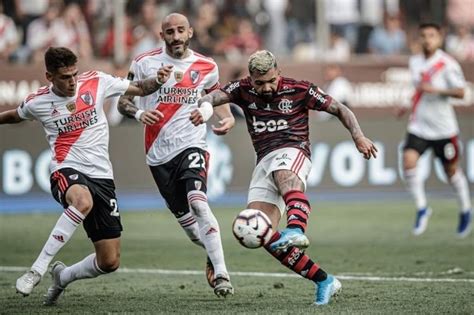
(178, 53)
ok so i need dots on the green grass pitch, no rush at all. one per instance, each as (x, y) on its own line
(369, 239)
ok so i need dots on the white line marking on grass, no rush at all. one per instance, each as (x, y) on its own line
(346, 275)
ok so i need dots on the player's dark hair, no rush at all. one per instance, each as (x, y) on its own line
(437, 27)
(59, 57)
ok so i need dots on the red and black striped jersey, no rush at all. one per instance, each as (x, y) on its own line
(283, 121)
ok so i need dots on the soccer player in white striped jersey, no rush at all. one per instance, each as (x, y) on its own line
(432, 124)
(175, 148)
(72, 115)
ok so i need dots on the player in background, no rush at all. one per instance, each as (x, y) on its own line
(276, 110)
(175, 149)
(432, 124)
(71, 112)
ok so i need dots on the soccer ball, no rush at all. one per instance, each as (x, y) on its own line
(252, 228)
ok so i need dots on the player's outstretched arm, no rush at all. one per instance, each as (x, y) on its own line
(148, 86)
(349, 120)
(10, 117)
(206, 104)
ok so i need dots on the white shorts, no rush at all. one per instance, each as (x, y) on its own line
(262, 186)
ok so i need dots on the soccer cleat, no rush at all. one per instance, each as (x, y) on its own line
(27, 282)
(290, 237)
(327, 289)
(55, 290)
(210, 273)
(223, 287)
(465, 226)
(421, 222)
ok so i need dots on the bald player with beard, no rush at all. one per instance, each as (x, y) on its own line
(175, 148)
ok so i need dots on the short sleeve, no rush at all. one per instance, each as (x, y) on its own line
(24, 110)
(133, 73)
(212, 83)
(317, 99)
(454, 76)
(114, 86)
(232, 89)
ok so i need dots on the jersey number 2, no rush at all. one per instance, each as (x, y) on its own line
(114, 206)
(198, 160)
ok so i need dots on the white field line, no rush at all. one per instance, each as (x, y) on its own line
(345, 276)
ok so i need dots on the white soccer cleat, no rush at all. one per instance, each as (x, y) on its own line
(421, 222)
(223, 287)
(27, 282)
(55, 290)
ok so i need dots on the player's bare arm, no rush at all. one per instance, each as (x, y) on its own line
(215, 98)
(127, 107)
(349, 120)
(226, 120)
(430, 89)
(148, 86)
(10, 117)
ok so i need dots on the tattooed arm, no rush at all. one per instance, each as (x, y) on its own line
(127, 107)
(148, 86)
(349, 120)
(215, 98)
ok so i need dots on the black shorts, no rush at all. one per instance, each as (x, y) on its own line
(103, 221)
(185, 172)
(447, 150)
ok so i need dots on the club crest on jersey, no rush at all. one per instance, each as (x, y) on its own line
(178, 76)
(87, 98)
(285, 106)
(197, 184)
(71, 107)
(194, 74)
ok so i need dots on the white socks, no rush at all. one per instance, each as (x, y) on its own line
(60, 235)
(86, 268)
(208, 230)
(459, 183)
(191, 227)
(416, 187)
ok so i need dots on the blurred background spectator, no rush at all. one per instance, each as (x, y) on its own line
(389, 38)
(8, 35)
(460, 44)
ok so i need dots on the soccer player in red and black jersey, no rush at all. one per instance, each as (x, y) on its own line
(276, 110)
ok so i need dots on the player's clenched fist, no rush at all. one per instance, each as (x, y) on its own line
(196, 117)
(164, 73)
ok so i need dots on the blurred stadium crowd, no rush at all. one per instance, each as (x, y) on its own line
(232, 29)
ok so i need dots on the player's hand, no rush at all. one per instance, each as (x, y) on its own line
(151, 117)
(196, 118)
(164, 73)
(428, 88)
(225, 125)
(400, 111)
(366, 147)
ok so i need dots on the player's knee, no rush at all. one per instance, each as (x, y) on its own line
(83, 204)
(450, 171)
(109, 264)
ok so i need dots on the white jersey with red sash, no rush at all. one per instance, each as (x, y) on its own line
(176, 99)
(76, 127)
(432, 116)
